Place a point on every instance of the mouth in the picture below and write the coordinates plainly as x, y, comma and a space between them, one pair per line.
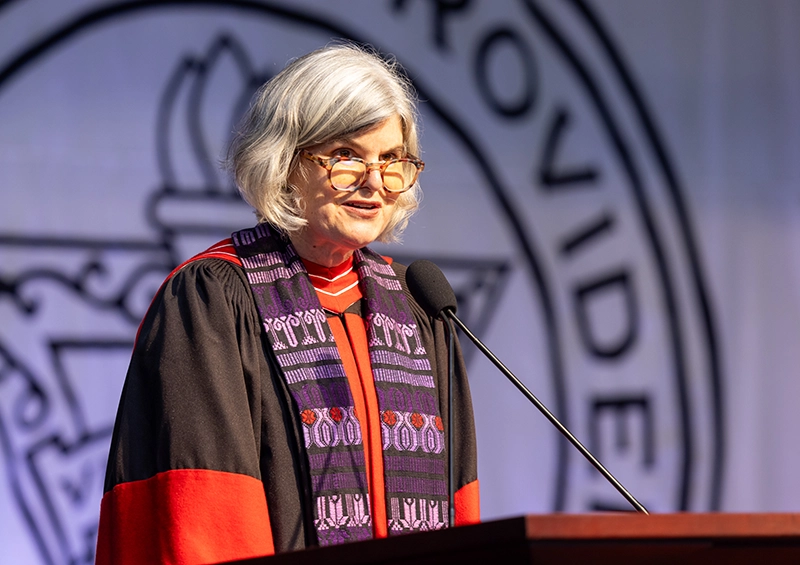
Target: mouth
362, 205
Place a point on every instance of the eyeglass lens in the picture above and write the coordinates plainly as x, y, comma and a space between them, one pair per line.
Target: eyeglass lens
397, 177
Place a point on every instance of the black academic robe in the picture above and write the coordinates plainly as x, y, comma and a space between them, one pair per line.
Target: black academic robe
207, 460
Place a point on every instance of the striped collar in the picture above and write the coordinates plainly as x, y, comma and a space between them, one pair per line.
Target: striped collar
337, 287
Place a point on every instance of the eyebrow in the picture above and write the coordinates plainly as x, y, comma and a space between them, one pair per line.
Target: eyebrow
347, 140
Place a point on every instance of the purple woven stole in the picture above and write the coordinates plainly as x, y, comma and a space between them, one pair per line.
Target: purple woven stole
412, 431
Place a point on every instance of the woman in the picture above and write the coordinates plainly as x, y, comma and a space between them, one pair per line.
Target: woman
285, 390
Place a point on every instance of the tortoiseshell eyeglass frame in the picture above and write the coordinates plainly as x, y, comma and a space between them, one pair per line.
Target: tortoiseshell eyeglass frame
328, 162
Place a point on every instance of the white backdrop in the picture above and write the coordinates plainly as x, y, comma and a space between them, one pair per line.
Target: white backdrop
611, 187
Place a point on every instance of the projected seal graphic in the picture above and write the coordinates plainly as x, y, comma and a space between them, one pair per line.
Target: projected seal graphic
551, 204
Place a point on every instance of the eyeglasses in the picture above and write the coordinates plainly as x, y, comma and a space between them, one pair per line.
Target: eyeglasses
349, 173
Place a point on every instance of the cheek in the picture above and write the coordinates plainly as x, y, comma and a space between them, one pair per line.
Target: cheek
316, 200
392, 206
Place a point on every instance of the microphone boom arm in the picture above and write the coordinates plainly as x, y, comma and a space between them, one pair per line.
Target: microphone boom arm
450, 314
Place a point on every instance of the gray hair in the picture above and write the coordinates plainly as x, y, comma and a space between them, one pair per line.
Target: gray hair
329, 93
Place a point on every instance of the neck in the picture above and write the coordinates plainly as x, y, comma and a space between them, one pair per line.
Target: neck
326, 256
328, 272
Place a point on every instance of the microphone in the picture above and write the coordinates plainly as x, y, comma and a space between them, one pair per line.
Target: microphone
430, 289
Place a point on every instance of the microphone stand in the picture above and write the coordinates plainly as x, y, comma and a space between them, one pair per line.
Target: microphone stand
451, 317
451, 331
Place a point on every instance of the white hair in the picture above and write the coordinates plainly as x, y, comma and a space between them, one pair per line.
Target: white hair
327, 94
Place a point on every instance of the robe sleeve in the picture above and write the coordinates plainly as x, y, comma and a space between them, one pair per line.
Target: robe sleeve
183, 483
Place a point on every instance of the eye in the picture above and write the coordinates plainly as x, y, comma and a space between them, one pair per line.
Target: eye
343, 153
390, 156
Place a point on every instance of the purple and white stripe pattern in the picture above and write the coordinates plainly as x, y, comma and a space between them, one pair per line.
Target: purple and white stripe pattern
416, 514
304, 347
331, 427
342, 518
412, 432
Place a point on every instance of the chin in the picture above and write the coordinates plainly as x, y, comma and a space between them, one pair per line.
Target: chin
362, 238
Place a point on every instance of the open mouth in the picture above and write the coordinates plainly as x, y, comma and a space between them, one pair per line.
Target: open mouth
362, 205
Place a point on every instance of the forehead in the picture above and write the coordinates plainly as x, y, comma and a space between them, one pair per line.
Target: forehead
384, 135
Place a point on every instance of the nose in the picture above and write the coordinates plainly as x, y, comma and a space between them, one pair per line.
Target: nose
374, 180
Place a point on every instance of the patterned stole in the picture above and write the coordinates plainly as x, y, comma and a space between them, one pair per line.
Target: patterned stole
415, 461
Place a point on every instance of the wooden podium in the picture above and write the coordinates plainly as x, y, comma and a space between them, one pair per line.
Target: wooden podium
683, 539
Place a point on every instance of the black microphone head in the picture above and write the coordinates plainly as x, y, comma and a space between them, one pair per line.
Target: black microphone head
430, 288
